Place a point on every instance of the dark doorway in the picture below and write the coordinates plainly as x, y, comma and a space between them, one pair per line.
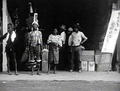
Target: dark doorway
93, 16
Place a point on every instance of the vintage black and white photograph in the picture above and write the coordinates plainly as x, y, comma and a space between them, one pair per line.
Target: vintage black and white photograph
59, 45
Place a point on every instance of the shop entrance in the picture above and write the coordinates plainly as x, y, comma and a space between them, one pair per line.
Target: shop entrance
93, 16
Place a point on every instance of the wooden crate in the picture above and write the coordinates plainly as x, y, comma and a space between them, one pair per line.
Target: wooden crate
84, 65
87, 57
97, 59
104, 62
91, 66
104, 67
88, 52
45, 60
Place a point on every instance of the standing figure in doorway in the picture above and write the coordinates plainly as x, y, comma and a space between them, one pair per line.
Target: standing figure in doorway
62, 33
68, 48
54, 41
76, 39
35, 46
10, 48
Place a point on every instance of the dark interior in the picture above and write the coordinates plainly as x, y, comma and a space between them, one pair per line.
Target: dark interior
93, 16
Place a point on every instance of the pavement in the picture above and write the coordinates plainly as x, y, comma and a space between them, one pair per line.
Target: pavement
62, 76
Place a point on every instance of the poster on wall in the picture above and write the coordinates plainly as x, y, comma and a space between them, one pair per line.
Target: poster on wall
112, 33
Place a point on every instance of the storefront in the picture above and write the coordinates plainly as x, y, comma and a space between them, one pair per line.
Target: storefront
93, 16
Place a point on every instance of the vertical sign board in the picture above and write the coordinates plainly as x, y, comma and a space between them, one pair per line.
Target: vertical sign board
112, 33
110, 40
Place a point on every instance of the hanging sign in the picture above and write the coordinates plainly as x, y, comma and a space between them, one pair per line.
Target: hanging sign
112, 33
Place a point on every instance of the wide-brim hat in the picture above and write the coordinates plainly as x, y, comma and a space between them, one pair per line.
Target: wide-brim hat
35, 23
61, 27
70, 29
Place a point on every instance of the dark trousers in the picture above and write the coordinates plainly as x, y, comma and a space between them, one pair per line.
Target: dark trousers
35, 53
62, 57
75, 58
11, 56
68, 56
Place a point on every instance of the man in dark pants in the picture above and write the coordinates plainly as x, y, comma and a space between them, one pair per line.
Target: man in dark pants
76, 39
10, 47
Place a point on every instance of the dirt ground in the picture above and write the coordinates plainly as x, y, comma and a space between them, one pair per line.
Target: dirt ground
59, 86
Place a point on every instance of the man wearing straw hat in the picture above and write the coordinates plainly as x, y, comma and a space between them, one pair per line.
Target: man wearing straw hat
76, 39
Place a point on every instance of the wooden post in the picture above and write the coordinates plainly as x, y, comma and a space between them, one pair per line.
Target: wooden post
5, 22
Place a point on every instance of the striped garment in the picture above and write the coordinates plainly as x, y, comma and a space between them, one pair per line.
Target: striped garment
35, 38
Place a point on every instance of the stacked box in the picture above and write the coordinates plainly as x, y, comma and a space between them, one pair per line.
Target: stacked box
105, 62
45, 60
87, 60
88, 52
88, 65
104, 67
91, 66
87, 56
97, 59
84, 65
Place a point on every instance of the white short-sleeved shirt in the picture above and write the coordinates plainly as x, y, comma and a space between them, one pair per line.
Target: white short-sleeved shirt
55, 39
63, 37
76, 38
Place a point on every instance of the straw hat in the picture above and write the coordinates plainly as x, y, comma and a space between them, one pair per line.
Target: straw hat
70, 29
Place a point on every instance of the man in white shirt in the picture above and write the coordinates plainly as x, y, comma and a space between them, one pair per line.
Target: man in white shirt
75, 40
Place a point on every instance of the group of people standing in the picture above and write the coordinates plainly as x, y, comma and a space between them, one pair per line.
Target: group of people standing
61, 41
65, 44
